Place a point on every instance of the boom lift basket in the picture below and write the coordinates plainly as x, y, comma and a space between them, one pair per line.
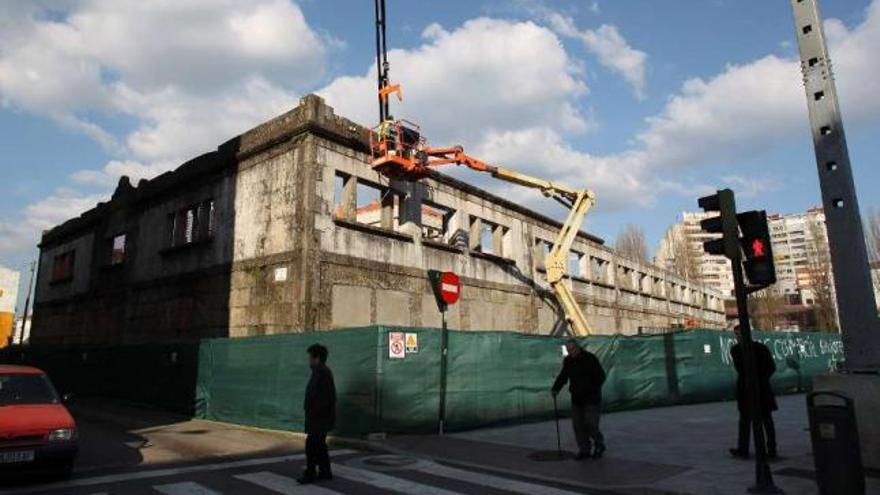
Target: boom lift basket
398, 150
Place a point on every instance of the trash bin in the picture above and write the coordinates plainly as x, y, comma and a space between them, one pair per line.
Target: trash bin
836, 450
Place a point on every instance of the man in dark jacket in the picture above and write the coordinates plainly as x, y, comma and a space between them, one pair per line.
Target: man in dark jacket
320, 408
582, 370
767, 401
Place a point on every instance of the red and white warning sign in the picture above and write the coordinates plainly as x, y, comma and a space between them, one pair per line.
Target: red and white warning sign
450, 287
396, 345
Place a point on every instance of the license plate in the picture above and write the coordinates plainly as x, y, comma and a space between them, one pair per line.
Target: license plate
13, 457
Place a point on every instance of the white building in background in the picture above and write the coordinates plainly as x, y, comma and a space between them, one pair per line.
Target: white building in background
792, 237
711, 270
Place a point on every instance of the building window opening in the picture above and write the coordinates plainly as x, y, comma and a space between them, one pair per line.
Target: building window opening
62, 267
435, 221
807, 29
574, 264
117, 250
490, 237
192, 224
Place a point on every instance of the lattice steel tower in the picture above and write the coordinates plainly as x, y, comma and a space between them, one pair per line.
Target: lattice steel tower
856, 307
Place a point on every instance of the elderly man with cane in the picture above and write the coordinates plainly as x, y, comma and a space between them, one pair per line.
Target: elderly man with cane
585, 376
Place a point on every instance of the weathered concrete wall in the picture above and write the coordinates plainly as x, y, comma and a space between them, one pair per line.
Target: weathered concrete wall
298, 245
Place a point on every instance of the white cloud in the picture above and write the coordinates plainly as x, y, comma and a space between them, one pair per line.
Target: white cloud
21, 234
187, 75
178, 68
462, 84
609, 46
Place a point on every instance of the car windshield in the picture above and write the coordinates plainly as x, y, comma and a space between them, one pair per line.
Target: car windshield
26, 389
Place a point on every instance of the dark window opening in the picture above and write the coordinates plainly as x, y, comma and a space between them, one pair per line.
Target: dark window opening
813, 61
838, 203
825, 130
192, 224
831, 166
117, 249
435, 221
807, 29
62, 267
819, 95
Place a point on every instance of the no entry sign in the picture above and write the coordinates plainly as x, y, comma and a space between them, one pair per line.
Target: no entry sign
450, 287
446, 286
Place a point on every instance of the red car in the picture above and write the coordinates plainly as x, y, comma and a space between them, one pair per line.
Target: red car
36, 430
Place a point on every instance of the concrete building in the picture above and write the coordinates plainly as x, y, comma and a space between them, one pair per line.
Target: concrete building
685, 240
8, 296
276, 231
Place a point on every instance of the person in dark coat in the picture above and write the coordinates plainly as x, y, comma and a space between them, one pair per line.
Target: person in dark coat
766, 366
585, 376
320, 409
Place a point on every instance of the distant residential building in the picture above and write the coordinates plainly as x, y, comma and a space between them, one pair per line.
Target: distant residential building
793, 237
8, 295
685, 240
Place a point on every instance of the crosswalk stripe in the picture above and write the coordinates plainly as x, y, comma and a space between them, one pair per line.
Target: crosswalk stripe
185, 488
283, 484
157, 473
386, 482
489, 480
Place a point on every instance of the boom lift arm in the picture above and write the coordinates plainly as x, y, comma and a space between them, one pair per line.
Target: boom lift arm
401, 152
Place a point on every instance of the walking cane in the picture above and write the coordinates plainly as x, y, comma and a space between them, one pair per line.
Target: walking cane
558, 438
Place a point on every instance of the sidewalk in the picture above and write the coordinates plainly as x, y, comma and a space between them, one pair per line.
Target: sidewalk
117, 436
680, 449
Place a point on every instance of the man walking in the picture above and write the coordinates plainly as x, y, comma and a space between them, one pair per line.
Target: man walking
767, 401
582, 370
320, 408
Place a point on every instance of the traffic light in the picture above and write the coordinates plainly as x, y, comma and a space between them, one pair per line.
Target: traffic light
725, 223
757, 247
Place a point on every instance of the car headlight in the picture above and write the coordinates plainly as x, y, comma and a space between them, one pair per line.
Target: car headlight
62, 435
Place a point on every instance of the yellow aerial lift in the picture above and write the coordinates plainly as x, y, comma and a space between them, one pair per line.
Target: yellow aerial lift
400, 152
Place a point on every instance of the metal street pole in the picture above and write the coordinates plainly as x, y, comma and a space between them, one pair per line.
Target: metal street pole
856, 308
27, 303
444, 350
763, 477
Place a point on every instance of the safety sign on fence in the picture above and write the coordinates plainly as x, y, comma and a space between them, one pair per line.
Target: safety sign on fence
396, 346
412, 343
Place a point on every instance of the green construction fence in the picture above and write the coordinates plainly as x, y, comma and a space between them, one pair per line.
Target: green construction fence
492, 378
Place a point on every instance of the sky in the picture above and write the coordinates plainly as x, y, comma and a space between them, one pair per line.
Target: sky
650, 104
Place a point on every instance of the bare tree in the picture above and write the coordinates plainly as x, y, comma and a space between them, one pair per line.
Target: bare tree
872, 234
872, 238
685, 259
631, 243
767, 308
818, 277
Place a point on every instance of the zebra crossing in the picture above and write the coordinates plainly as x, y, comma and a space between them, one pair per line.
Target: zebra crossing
354, 474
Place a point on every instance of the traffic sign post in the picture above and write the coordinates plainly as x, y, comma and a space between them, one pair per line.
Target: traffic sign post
447, 290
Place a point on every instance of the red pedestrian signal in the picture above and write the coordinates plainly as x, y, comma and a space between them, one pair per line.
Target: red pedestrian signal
758, 249
758, 262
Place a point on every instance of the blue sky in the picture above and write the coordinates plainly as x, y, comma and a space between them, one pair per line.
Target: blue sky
650, 103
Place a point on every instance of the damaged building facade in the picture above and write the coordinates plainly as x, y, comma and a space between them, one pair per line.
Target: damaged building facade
285, 228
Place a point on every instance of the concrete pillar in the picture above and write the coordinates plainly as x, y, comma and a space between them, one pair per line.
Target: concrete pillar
474, 232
